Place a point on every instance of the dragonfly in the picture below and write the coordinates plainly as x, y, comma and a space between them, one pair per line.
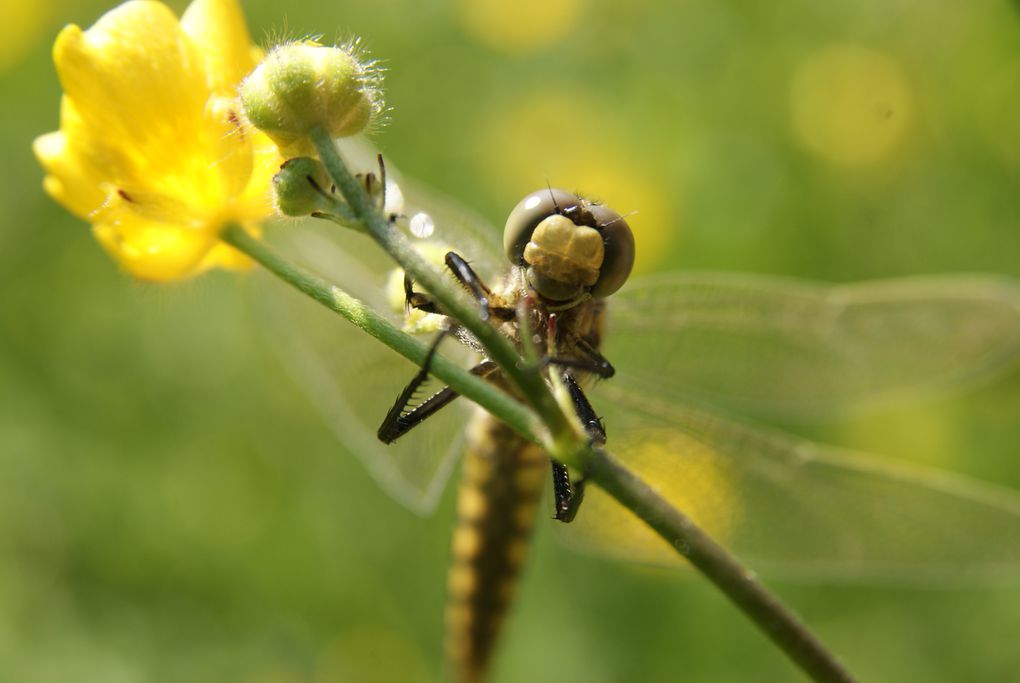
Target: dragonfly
690, 366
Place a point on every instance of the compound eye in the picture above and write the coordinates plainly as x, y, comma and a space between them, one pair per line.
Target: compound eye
619, 251
526, 216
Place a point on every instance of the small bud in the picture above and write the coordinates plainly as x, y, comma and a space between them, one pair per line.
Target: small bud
301, 86
301, 187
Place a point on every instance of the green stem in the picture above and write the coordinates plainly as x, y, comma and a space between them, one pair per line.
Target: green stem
463, 382
531, 385
738, 583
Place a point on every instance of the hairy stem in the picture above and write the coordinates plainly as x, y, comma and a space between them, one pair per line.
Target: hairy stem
332, 297
737, 582
530, 384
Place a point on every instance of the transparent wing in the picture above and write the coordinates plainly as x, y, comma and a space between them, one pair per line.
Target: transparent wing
780, 348
793, 509
350, 378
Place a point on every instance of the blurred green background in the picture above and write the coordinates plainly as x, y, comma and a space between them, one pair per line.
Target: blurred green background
172, 510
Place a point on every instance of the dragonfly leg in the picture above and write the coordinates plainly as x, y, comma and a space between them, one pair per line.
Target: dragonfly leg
467, 276
596, 363
569, 495
407, 413
591, 359
589, 418
469, 279
417, 300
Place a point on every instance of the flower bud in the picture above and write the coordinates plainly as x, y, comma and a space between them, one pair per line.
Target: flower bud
300, 187
302, 86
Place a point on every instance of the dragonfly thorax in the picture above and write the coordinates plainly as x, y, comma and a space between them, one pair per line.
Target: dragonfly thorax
574, 324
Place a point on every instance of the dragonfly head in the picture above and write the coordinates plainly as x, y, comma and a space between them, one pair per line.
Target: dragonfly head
569, 246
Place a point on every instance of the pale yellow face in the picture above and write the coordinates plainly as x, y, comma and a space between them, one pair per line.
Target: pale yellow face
566, 256
571, 248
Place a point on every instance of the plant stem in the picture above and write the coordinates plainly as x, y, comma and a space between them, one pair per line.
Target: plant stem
739, 584
463, 382
565, 441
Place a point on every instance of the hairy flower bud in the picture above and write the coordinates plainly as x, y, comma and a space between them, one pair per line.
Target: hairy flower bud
301, 187
302, 86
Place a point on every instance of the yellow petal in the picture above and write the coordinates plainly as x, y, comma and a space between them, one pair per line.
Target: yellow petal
156, 252
230, 142
134, 76
257, 199
151, 149
81, 164
128, 202
69, 179
219, 33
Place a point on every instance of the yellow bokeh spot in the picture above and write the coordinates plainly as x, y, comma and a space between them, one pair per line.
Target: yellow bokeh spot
687, 473
926, 434
21, 24
851, 105
519, 27
562, 137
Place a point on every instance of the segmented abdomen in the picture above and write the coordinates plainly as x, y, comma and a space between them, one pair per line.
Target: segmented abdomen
496, 506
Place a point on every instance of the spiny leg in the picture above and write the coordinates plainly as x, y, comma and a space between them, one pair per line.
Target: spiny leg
600, 366
417, 300
397, 422
468, 279
584, 410
401, 418
564, 493
595, 363
569, 495
592, 362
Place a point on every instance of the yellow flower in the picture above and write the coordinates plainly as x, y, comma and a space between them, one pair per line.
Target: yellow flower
151, 148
